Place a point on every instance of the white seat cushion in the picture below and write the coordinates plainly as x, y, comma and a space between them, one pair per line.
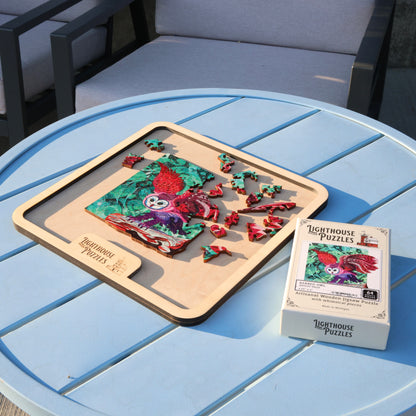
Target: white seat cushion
331, 26
37, 59
173, 62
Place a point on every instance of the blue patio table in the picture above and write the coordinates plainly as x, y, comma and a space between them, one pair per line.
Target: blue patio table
72, 345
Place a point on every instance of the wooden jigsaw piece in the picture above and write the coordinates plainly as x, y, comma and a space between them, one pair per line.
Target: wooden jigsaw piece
253, 198
231, 219
237, 182
154, 144
255, 232
270, 190
211, 252
217, 192
271, 207
226, 162
130, 160
218, 231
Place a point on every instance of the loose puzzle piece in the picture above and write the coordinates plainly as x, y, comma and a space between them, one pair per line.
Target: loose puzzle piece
231, 219
273, 224
218, 231
154, 144
270, 190
253, 198
271, 207
211, 252
255, 232
238, 185
226, 162
131, 160
217, 192
237, 182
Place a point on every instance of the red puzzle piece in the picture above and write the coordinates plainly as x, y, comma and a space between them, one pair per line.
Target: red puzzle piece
231, 219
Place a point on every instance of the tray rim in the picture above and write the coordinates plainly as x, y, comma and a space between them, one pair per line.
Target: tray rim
155, 302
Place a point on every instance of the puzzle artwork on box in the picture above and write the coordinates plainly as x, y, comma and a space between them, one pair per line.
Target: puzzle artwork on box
333, 269
156, 204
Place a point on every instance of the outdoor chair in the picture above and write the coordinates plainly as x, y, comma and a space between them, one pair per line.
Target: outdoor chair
334, 51
27, 76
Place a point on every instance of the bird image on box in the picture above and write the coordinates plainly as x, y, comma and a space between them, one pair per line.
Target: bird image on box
347, 267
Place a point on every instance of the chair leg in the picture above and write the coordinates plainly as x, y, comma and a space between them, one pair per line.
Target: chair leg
138, 15
13, 88
16, 127
16, 117
64, 76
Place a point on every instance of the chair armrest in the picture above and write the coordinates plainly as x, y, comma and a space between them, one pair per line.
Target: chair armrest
95, 16
36, 15
369, 68
61, 41
11, 59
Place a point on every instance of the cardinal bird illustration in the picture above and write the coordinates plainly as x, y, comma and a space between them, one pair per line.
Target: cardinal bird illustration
347, 266
170, 209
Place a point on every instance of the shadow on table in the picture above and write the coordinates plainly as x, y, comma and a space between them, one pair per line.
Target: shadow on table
342, 206
250, 310
401, 345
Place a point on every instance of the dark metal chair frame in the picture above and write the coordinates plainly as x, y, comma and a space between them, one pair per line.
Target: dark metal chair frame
369, 69
367, 75
21, 113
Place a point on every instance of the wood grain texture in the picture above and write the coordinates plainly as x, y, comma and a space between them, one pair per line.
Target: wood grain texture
8, 408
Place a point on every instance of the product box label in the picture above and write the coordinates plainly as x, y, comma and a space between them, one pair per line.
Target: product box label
338, 277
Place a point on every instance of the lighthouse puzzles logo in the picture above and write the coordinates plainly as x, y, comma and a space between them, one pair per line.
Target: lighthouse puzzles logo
334, 328
341, 235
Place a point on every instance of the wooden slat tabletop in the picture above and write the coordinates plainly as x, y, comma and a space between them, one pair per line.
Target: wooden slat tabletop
70, 344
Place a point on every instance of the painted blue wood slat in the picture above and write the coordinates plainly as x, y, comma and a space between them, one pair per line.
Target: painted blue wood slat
248, 119
344, 380
52, 149
403, 252
313, 142
34, 398
195, 366
26, 294
15, 241
84, 335
385, 167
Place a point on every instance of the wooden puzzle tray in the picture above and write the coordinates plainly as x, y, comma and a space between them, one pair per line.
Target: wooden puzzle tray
149, 216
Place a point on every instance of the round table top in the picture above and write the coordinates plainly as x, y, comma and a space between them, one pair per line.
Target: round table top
71, 344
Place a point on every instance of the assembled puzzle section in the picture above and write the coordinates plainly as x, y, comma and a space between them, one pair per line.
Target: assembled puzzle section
338, 286
155, 206
199, 216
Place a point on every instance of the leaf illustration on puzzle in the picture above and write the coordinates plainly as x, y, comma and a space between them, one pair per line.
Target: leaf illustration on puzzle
156, 204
